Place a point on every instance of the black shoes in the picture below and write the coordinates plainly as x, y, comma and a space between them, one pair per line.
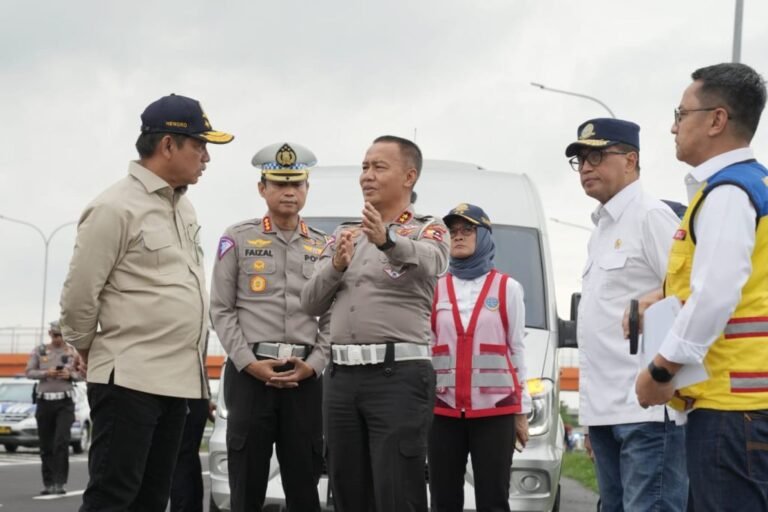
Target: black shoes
48, 489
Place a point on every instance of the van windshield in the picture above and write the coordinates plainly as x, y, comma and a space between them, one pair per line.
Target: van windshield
518, 253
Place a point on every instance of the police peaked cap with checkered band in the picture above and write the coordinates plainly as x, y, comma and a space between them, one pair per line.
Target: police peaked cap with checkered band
182, 115
471, 213
284, 161
605, 132
55, 327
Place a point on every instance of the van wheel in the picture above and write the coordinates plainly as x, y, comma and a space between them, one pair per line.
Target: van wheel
556, 506
11, 448
84, 443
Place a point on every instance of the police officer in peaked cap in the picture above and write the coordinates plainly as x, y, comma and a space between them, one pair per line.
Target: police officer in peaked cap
277, 352
55, 366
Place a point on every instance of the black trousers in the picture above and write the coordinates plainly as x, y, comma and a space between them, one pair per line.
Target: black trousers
377, 422
261, 416
187, 484
54, 422
136, 439
491, 442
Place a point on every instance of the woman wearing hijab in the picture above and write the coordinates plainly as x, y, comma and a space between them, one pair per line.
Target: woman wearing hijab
478, 321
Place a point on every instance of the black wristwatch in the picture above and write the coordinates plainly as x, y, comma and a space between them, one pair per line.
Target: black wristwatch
659, 373
389, 242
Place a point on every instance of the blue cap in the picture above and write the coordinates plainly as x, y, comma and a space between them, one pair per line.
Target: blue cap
471, 213
182, 115
604, 132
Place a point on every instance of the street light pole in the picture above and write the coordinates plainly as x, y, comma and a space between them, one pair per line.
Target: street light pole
570, 224
46, 242
737, 22
578, 95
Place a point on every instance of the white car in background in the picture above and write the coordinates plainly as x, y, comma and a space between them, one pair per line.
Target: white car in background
18, 426
522, 251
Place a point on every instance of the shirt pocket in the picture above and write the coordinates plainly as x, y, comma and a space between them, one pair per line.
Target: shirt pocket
614, 283
161, 253
308, 268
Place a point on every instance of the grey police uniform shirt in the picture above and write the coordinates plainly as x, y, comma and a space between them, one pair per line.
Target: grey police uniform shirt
258, 275
39, 364
383, 296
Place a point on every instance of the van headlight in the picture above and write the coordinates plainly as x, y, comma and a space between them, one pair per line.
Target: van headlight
541, 391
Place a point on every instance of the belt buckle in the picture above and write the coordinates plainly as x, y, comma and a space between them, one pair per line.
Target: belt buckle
284, 350
355, 354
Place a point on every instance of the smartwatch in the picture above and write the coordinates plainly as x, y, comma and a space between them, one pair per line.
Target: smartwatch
390, 241
659, 373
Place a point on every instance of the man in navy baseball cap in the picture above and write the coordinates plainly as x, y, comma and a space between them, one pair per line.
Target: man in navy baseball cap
182, 115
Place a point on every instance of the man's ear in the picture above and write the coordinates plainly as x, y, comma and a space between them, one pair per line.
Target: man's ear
262, 188
719, 122
410, 177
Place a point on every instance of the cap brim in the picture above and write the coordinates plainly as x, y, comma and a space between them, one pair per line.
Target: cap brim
285, 175
215, 137
574, 147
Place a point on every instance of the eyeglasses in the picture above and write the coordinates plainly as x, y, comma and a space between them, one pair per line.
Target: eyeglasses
464, 230
594, 157
56, 335
682, 112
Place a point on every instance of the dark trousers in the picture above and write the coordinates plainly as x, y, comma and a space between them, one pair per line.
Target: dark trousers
491, 442
261, 416
187, 484
377, 422
727, 454
136, 438
54, 422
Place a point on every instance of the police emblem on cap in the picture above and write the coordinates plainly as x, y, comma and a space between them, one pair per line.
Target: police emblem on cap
587, 132
285, 156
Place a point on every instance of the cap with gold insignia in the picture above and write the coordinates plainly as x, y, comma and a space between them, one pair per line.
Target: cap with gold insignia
179, 114
471, 213
604, 132
284, 161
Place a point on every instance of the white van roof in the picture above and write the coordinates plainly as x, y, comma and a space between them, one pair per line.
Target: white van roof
508, 198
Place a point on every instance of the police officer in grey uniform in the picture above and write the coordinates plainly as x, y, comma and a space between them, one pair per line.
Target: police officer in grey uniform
54, 365
277, 352
377, 278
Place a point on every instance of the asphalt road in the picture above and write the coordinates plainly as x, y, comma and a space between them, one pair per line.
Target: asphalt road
20, 484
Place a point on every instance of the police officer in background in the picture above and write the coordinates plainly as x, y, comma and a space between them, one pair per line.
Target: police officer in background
277, 352
377, 277
54, 366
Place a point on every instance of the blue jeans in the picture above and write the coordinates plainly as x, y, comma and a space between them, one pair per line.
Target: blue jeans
728, 460
640, 466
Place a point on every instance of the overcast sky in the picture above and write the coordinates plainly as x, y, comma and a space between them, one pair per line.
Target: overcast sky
333, 75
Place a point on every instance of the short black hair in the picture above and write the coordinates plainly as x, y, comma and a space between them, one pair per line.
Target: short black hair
740, 88
408, 149
147, 143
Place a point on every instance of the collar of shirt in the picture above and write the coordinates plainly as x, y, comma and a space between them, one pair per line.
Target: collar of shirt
151, 181
467, 292
704, 171
618, 203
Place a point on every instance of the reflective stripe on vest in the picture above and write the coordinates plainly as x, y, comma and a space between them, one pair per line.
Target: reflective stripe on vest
747, 327
479, 362
749, 382
479, 380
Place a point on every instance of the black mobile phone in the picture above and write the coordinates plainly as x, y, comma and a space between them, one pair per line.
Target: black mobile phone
634, 325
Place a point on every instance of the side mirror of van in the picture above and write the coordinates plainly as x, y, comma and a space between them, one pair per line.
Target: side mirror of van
566, 329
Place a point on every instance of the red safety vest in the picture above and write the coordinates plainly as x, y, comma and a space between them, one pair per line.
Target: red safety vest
475, 374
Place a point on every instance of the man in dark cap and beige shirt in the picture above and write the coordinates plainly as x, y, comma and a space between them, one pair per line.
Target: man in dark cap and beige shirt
135, 306
377, 278
277, 352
